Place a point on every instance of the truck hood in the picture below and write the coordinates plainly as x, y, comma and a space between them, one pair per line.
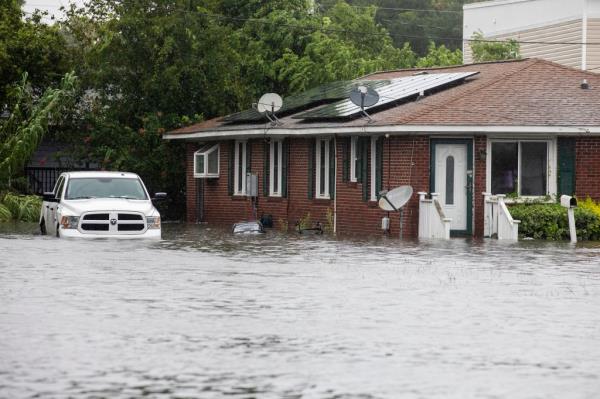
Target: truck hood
77, 207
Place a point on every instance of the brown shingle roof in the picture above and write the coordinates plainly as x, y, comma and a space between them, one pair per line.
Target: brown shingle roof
528, 92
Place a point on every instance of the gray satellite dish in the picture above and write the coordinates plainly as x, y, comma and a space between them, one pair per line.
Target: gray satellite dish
364, 97
395, 199
269, 102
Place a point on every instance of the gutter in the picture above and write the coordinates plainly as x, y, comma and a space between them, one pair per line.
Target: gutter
391, 129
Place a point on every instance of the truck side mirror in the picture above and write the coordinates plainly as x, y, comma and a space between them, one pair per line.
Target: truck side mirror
48, 196
159, 196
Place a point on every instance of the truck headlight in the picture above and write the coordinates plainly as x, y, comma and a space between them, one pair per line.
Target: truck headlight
69, 222
153, 222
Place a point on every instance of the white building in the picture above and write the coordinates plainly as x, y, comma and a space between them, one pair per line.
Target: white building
563, 31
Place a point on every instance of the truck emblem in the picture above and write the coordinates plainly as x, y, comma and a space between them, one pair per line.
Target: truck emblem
113, 221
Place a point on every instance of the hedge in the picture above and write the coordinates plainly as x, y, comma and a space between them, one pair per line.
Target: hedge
549, 222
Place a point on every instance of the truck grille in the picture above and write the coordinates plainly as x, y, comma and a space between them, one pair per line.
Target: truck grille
113, 223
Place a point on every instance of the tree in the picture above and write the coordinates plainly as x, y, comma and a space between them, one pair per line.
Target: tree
28, 45
29, 120
493, 51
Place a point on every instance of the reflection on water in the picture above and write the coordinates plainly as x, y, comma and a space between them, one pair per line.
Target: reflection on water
204, 314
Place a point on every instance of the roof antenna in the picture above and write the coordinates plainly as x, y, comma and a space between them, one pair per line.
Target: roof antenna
364, 97
268, 104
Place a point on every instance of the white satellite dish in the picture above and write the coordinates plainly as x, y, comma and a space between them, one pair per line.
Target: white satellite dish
364, 97
269, 103
395, 199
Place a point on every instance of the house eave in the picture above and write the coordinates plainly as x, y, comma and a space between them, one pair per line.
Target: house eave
496, 130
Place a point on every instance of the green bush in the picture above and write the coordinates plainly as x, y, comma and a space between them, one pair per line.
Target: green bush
549, 222
23, 208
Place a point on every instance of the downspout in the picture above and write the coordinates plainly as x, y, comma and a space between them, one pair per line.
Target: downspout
584, 29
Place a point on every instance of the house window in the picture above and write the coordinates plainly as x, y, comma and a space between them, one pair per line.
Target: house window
206, 161
322, 172
374, 168
276, 170
520, 167
354, 159
240, 168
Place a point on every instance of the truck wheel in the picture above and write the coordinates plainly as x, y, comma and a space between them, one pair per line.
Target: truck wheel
43, 227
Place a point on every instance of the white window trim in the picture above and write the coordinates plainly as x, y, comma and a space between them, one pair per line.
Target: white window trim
318, 195
551, 165
236, 166
353, 158
373, 168
204, 153
272, 177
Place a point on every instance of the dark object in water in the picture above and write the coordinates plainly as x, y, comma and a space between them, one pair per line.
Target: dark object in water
317, 229
254, 227
266, 221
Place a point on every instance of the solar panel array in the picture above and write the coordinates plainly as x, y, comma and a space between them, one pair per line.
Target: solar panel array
322, 94
395, 90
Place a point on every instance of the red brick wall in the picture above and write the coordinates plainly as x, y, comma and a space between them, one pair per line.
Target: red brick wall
587, 167
405, 162
479, 182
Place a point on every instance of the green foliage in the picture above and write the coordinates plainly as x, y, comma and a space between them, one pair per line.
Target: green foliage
494, 51
22, 208
305, 222
28, 45
590, 205
24, 130
440, 56
549, 222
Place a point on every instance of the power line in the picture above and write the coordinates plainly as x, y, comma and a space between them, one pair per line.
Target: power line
325, 29
410, 9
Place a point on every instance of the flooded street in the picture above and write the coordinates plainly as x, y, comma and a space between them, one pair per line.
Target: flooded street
203, 314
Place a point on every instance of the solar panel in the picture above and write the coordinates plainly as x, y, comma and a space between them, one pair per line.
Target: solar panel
318, 95
395, 90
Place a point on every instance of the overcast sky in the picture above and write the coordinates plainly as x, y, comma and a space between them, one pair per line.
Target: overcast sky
52, 6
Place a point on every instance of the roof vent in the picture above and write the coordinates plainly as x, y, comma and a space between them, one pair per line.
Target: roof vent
585, 85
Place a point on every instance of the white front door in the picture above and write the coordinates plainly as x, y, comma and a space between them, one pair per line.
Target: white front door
451, 182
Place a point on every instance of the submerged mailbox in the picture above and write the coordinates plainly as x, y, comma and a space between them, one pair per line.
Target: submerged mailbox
568, 202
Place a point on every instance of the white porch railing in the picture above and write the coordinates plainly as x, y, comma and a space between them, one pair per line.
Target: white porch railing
432, 221
497, 219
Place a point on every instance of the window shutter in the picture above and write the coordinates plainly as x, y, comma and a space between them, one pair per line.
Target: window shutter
378, 166
266, 168
359, 160
231, 171
284, 167
346, 143
332, 144
311, 168
248, 157
364, 165
566, 166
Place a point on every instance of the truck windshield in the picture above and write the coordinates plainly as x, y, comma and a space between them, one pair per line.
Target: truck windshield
105, 187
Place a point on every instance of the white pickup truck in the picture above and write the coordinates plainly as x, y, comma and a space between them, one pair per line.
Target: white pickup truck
100, 204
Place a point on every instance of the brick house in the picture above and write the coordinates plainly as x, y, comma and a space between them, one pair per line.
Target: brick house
530, 128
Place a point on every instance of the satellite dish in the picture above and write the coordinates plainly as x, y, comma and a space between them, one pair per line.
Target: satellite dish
395, 199
269, 102
364, 96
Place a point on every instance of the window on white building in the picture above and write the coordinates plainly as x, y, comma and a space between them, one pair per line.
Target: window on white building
354, 159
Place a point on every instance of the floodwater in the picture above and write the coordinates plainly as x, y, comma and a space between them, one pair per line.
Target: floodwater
203, 314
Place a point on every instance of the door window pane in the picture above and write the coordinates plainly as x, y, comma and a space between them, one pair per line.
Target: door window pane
533, 168
450, 180
504, 167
